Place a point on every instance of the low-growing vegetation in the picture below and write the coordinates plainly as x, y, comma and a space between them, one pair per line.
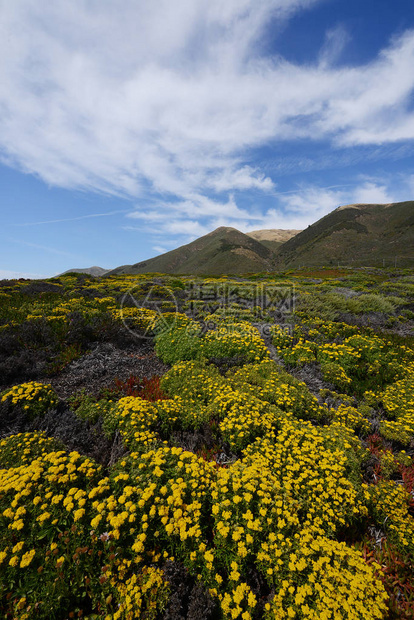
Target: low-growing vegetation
227, 458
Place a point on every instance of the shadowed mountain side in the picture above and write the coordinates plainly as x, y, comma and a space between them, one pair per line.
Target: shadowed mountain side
225, 250
352, 233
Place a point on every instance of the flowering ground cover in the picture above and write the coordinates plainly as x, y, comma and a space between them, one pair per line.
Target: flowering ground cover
258, 467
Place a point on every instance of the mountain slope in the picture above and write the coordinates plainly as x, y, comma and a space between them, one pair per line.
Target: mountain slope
225, 250
92, 271
272, 238
354, 234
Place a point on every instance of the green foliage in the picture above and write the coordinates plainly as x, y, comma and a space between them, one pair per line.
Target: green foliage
274, 527
177, 344
90, 409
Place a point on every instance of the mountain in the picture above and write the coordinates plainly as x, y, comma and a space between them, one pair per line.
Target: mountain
356, 234
225, 250
92, 271
272, 238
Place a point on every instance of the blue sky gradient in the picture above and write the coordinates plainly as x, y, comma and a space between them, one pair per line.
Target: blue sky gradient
129, 128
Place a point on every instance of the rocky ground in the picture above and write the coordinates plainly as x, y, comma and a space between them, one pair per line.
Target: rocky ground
106, 362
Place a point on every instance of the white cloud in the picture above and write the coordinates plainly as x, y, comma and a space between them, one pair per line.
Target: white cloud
159, 249
6, 274
372, 193
292, 210
372, 105
159, 98
242, 178
336, 40
110, 96
164, 101
310, 203
200, 207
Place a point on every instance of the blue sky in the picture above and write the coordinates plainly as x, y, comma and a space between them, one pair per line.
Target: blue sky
128, 128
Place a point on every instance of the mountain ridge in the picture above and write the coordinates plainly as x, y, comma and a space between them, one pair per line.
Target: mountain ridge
223, 250
351, 234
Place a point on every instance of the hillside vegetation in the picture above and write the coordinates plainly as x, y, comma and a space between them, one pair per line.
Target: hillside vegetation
208, 448
225, 250
367, 234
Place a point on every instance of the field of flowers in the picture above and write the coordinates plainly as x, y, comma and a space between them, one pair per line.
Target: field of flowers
266, 473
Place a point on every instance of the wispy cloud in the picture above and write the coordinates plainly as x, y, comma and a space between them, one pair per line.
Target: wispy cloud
294, 209
43, 248
337, 158
74, 219
311, 202
168, 100
159, 249
336, 39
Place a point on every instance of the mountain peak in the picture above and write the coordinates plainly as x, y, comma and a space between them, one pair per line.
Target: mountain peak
225, 250
223, 229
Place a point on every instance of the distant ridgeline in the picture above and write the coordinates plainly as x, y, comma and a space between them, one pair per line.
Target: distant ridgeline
358, 235
225, 250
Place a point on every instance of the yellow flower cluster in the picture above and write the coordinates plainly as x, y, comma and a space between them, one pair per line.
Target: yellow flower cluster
34, 397
233, 340
312, 474
82, 305
390, 463
39, 499
142, 595
176, 320
135, 418
334, 373
270, 383
391, 509
23, 448
182, 413
141, 317
351, 417
160, 494
342, 354
240, 603
67, 532
250, 501
193, 380
317, 578
398, 400
282, 339
243, 417
302, 352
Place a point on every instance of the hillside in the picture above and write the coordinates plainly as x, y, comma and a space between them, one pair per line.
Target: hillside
272, 238
91, 271
358, 234
223, 251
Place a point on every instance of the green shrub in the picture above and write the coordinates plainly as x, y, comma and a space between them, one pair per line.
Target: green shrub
88, 408
182, 343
